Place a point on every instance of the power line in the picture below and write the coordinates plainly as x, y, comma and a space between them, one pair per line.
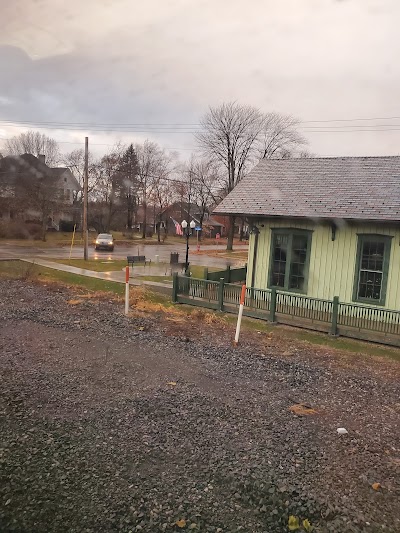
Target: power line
328, 128
349, 119
79, 143
128, 124
172, 125
97, 128
353, 131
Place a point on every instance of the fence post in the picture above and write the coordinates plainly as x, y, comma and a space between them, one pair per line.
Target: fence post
221, 294
175, 287
272, 308
205, 272
335, 313
228, 274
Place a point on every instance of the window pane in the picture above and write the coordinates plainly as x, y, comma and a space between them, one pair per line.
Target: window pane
371, 269
370, 285
298, 262
279, 263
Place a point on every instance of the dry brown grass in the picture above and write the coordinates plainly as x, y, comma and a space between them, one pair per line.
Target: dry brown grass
208, 318
74, 302
302, 410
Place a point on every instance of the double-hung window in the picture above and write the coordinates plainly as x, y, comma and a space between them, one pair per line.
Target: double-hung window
372, 267
290, 257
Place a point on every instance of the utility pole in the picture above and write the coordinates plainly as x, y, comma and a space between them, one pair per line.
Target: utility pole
85, 201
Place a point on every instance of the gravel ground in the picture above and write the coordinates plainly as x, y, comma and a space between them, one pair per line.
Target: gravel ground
131, 424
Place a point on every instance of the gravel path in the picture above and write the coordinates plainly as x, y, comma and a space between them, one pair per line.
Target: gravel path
116, 424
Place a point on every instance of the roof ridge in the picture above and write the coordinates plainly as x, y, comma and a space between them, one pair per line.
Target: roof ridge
334, 157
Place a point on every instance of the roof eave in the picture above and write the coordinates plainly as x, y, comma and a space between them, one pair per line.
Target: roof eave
327, 217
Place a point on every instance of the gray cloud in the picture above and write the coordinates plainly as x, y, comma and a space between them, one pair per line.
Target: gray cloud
117, 61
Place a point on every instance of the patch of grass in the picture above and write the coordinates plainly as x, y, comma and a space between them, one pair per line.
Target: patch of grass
54, 238
251, 324
318, 339
345, 344
104, 265
159, 279
196, 271
97, 265
29, 271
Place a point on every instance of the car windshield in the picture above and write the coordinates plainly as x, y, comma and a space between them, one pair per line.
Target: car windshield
104, 236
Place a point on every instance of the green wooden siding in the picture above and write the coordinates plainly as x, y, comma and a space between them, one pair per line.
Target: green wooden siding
332, 263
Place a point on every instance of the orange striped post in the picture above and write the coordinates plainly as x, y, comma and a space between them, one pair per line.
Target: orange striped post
239, 320
126, 290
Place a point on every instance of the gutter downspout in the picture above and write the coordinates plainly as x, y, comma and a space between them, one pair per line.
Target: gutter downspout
254, 231
253, 266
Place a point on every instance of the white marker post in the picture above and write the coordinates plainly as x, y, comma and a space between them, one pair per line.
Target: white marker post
127, 290
239, 321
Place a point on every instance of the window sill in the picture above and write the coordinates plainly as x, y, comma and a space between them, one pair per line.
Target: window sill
369, 301
288, 291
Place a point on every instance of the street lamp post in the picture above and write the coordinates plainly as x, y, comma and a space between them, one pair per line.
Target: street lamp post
188, 232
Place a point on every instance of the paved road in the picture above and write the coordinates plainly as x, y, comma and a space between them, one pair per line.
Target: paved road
11, 251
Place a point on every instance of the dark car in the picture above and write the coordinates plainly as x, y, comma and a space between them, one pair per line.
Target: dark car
104, 241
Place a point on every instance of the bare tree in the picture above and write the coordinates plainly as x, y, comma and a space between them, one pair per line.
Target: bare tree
279, 138
162, 196
205, 186
229, 136
106, 194
75, 161
237, 136
305, 154
35, 143
153, 165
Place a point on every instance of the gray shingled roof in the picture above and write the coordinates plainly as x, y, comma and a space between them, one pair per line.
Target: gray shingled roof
365, 188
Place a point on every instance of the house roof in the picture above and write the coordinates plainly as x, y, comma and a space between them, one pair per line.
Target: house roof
59, 171
193, 211
26, 163
29, 165
364, 188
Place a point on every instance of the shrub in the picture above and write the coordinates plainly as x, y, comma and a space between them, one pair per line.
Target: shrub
34, 231
20, 230
66, 225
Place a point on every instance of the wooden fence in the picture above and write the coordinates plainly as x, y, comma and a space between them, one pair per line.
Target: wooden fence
332, 316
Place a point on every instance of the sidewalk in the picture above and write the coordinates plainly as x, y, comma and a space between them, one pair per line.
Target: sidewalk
117, 277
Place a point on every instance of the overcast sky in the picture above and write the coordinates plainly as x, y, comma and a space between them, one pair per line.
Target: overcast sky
166, 61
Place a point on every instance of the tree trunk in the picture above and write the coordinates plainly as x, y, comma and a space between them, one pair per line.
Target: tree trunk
129, 216
159, 231
200, 233
44, 225
144, 220
231, 233
241, 231
109, 216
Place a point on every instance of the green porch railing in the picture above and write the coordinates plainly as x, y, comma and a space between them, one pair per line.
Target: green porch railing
230, 275
369, 318
304, 307
351, 320
257, 301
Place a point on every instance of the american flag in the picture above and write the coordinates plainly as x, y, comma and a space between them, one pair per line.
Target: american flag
178, 227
